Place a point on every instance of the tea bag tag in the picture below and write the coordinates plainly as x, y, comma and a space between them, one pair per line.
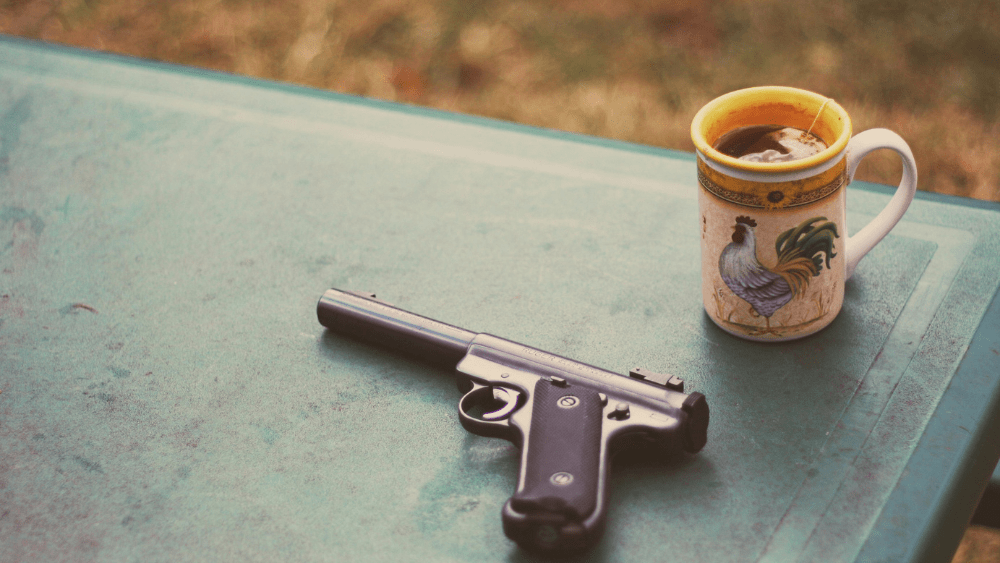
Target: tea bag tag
815, 119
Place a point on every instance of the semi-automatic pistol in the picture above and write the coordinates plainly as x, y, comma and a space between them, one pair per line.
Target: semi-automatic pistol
568, 418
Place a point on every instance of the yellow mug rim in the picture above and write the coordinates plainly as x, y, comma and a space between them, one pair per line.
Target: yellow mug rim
746, 97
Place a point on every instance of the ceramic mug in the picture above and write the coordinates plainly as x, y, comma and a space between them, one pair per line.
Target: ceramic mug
774, 247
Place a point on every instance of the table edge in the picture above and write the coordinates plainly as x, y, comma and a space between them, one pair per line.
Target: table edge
457, 117
946, 447
299, 89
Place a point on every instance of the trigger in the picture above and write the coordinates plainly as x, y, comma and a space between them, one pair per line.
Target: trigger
506, 396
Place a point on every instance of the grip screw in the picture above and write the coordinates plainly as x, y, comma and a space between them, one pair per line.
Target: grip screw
568, 402
562, 478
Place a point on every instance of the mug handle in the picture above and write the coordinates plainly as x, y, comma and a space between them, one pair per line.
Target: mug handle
859, 147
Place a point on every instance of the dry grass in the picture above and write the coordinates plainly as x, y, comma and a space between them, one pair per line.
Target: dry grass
635, 70
630, 69
980, 545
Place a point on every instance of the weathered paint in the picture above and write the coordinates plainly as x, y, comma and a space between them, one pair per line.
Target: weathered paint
167, 393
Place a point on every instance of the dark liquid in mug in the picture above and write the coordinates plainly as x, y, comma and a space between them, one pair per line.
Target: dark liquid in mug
769, 143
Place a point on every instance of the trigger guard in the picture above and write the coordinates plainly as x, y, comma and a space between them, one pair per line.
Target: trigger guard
488, 428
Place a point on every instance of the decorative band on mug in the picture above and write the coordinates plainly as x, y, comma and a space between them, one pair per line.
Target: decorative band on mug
775, 199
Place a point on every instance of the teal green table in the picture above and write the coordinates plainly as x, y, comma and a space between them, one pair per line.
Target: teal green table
166, 393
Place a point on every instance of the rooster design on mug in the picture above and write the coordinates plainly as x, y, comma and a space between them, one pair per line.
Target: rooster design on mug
801, 252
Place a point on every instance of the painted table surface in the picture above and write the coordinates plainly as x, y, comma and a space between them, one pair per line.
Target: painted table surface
166, 393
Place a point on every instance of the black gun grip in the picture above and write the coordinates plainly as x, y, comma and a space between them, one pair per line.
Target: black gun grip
561, 469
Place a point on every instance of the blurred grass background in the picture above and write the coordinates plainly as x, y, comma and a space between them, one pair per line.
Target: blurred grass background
635, 70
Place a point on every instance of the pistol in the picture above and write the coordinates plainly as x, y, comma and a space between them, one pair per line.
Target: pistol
568, 418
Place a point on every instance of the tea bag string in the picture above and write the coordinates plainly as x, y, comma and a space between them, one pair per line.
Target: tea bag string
815, 119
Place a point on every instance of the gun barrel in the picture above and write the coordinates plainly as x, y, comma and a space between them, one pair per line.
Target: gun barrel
375, 322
